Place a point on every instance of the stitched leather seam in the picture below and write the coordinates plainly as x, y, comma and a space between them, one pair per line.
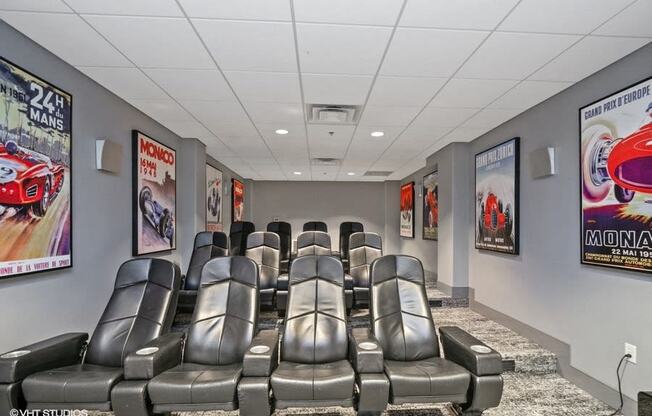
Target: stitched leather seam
192, 383
131, 327
228, 301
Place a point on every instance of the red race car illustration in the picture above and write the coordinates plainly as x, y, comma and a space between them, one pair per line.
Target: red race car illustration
625, 162
433, 207
493, 217
28, 179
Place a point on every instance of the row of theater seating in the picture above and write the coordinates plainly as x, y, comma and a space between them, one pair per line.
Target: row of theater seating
266, 247
134, 366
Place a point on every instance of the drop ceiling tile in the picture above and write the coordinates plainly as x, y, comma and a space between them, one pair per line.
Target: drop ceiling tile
188, 129
403, 91
429, 52
192, 84
249, 46
35, 5
323, 144
240, 9
275, 112
363, 132
443, 117
366, 149
336, 89
468, 14
154, 42
162, 110
276, 87
216, 148
127, 8
127, 83
423, 134
490, 118
514, 55
388, 115
633, 21
582, 59
529, 93
216, 112
471, 93
296, 132
78, 44
336, 49
561, 16
463, 134
361, 12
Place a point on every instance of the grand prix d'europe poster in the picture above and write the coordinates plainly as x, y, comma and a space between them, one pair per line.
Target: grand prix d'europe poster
616, 179
35, 173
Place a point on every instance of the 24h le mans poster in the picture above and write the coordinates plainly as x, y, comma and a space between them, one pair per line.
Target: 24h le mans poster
496, 192
35, 173
616, 179
213, 199
155, 195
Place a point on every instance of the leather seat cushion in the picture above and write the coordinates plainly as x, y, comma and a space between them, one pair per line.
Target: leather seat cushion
328, 381
190, 383
79, 383
435, 376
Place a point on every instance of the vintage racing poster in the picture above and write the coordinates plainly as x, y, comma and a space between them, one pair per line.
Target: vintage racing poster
430, 206
407, 210
213, 199
237, 198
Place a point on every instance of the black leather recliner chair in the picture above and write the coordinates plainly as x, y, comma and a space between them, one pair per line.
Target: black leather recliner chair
315, 226
238, 235
284, 231
364, 248
208, 245
346, 229
314, 369
64, 372
468, 376
264, 248
214, 369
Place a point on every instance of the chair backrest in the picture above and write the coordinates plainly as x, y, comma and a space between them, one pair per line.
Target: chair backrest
208, 245
141, 308
313, 243
263, 247
399, 310
315, 328
315, 226
346, 229
364, 248
226, 315
238, 235
284, 231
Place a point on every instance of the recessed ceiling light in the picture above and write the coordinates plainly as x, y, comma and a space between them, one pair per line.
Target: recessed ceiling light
296, 172
351, 173
377, 134
282, 131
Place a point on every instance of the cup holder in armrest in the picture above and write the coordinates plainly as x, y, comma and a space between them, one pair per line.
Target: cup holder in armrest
259, 349
480, 349
147, 351
368, 346
15, 354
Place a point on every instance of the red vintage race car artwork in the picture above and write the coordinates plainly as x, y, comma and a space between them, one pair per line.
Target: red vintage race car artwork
27, 179
625, 163
494, 217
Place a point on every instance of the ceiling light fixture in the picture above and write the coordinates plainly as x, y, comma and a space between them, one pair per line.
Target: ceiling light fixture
282, 131
296, 172
351, 173
377, 134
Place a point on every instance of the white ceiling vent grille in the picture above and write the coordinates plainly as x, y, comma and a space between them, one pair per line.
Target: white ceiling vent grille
378, 173
325, 161
332, 114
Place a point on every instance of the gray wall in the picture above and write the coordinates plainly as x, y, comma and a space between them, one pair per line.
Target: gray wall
331, 202
594, 310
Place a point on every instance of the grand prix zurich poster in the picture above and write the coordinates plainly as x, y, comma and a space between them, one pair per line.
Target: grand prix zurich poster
155, 195
496, 192
35, 173
616, 179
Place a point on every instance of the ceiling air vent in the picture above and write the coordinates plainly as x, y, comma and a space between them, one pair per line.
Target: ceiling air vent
332, 114
378, 173
325, 161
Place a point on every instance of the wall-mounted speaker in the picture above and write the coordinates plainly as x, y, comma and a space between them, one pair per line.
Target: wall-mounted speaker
542, 163
108, 155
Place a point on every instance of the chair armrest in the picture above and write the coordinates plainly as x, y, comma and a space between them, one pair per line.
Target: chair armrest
59, 351
466, 350
348, 282
364, 357
153, 358
283, 282
261, 357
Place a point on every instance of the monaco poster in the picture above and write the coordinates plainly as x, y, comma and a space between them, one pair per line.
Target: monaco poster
35, 173
496, 195
155, 195
214, 220
616, 179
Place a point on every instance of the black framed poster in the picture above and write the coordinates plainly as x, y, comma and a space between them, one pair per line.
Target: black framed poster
407, 210
430, 206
